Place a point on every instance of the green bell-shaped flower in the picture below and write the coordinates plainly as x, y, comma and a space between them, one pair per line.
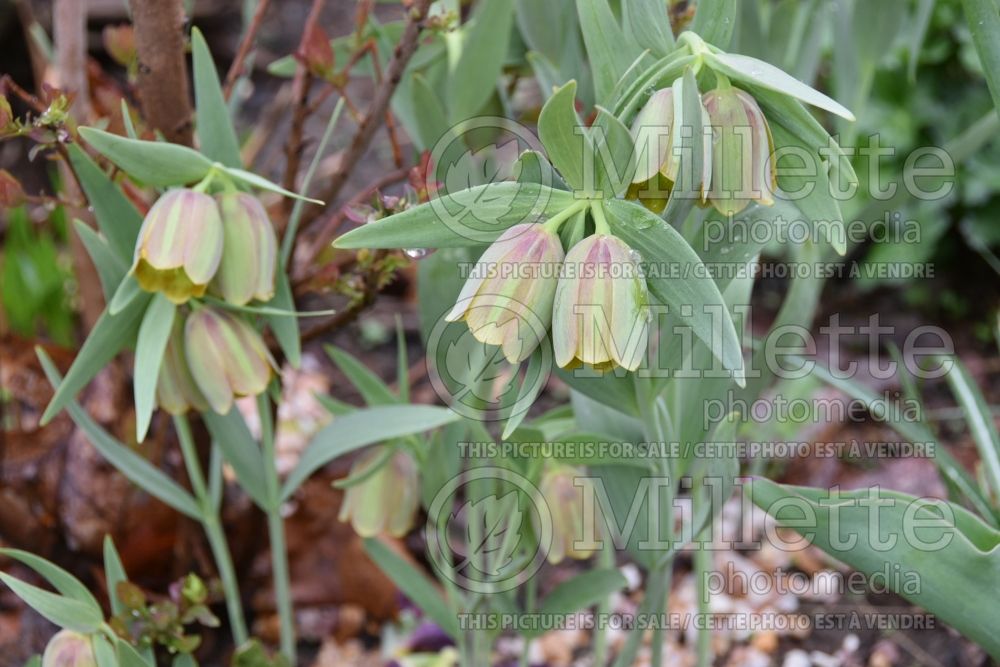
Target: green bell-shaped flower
600, 315
742, 168
176, 391
562, 488
386, 501
226, 356
69, 649
507, 300
179, 245
249, 251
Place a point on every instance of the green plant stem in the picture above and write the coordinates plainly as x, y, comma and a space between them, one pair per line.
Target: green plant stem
702, 566
213, 530
600, 221
606, 560
530, 600
276, 532
556, 221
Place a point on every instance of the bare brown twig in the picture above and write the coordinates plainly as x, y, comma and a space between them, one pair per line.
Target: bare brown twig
369, 124
162, 81
236, 69
301, 85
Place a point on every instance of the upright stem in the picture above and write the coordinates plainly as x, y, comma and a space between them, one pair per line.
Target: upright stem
702, 565
276, 532
213, 530
606, 561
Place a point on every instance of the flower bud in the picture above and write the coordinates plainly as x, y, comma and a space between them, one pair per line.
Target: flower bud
226, 356
6, 114
69, 649
386, 501
600, 315
652, 135
507, 301
176, 391
179, 245
249, 250
742, 169
562, 488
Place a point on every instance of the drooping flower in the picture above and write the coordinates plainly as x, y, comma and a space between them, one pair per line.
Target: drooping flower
658, 136
69, 649
179, 245
176, 391
226, 356
249, 251
507, 300
562, 488
600, 313
386, 501
742, 168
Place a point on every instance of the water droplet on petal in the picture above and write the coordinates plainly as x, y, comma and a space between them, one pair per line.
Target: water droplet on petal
417, 253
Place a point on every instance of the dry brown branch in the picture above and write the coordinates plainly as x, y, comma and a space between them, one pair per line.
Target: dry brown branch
236, 69
162, 81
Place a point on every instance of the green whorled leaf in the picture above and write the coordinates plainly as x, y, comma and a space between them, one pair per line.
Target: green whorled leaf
564, 136
550, 78
533, 167
402, 363
915, 431
111, 268
261, 183
104, 652
658, 75
608, 50
787, 112
984, 24
372, 389
484, 47
216, 135
241, 451
285, 327
111, 333
60, 579
466, 218
127, 292
918, 33
714, 21
154, 163
648, 23
129, 656
362, 428
582, 591
661, 245
979, 418
526, 393
114, 574
429, 117
334, 406
818, 205
690, 184
956, 581
616, 391
614, 158
137, 469
63, 611
421, 590
116, 217
757, 72
149, 349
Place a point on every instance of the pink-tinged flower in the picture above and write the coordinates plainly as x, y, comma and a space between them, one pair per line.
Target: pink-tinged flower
742, 168
249, 250
507, 301
226, 356
179, 245
386, 501
600, 316
176, 391
653, 134
69, 649
562, 487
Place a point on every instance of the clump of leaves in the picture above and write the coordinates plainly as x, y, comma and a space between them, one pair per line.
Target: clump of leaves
162, 623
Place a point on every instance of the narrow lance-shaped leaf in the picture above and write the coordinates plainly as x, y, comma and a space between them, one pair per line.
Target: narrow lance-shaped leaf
137, 469
216, 135
109, 336
116, 217
154, 163
153, 334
